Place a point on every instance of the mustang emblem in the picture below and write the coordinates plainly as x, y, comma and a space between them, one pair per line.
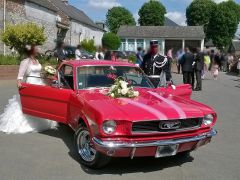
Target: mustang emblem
170, 125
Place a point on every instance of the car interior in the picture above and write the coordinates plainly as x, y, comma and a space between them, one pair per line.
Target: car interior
66, 74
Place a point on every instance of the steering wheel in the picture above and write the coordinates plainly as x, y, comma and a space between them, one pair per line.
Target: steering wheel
133, 82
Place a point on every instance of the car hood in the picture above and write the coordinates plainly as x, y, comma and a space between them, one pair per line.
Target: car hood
149, 105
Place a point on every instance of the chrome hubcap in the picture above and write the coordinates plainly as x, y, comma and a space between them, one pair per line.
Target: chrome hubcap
85, 147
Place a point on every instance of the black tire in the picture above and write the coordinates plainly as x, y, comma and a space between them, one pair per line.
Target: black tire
100, 160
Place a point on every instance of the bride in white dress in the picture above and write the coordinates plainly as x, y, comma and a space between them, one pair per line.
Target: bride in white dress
13, 120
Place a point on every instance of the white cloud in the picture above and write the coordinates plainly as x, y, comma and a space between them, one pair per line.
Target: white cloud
177, 17
103, 4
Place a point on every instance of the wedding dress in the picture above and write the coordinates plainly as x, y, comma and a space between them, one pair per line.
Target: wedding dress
13, 120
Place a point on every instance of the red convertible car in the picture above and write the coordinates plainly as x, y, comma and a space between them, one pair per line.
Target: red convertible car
159, 122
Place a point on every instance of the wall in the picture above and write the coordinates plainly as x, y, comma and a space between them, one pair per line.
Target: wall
78, 32
46, 18
15, 13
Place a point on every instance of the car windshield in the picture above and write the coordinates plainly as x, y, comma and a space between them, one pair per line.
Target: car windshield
103, 76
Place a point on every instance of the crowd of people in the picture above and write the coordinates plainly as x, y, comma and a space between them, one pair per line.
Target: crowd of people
194, 63
197, 64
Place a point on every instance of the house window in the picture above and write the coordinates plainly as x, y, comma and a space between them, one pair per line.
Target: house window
140, 43
131, 45
123, 45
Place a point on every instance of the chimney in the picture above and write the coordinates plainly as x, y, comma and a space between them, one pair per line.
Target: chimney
101, 25
65, 1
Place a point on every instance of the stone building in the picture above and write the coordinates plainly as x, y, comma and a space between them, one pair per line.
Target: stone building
62, 21
174, 36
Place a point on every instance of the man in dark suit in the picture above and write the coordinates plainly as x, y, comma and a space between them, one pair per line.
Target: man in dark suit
187, 66
61, 54
157, 66
198, 67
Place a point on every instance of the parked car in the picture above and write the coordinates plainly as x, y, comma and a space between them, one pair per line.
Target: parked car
71, 53
159, 122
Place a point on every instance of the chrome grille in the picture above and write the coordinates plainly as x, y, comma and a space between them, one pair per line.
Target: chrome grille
157, 126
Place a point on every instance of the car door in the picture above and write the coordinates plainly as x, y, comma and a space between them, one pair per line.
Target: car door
49, 102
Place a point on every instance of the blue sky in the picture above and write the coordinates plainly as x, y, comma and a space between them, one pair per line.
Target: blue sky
96, 9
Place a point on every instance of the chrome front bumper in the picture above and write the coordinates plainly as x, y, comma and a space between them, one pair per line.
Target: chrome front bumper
116, 144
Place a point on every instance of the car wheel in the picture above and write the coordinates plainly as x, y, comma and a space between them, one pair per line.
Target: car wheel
88, 155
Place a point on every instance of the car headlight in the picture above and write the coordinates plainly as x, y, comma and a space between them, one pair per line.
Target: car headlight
208, 119
109, 127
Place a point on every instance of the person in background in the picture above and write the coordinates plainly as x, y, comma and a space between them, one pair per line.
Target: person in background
212, 57
217, 59
139, 56
215, 69
99, 54
170, 57
180, 54
187, 68
230, 62
238, 67
113, 56
206, 64
224, 60
61, 54
198, 67
78, 54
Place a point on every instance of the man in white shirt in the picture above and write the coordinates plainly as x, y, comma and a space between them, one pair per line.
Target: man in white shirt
78, 54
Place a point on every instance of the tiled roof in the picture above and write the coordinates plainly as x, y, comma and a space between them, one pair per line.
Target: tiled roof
71, 11
44, 3
169, 22
74, 13
161, 32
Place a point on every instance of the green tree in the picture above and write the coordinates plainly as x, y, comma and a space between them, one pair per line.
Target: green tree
152, 13
222, 26
88, 45
18, 36
118, 16
199, 12
111, 41
233, 6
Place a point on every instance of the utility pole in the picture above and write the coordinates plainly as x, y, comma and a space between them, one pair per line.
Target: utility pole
4, 24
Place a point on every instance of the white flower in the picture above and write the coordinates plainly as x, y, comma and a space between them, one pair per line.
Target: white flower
123, 84
112, 95
135, 93
119, 91
124, 91
28, 47
113, 87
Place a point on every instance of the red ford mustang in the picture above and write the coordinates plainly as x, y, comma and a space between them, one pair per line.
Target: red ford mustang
159, 122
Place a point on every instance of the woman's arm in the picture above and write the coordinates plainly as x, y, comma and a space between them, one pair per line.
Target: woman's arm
22, 70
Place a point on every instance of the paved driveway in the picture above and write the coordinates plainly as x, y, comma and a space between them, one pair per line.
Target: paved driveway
51, 155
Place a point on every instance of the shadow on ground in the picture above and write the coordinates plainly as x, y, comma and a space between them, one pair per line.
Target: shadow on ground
118, 165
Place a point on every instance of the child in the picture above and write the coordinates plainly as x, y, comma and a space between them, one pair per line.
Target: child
215, 69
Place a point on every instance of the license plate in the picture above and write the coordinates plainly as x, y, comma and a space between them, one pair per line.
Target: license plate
168, 150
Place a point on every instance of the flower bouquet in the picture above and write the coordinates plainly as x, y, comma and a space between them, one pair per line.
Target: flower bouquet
49, 73
121, 88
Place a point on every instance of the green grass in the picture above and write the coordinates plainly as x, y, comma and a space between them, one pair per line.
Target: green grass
9, 60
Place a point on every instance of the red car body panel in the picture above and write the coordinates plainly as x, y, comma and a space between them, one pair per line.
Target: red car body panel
93, 107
